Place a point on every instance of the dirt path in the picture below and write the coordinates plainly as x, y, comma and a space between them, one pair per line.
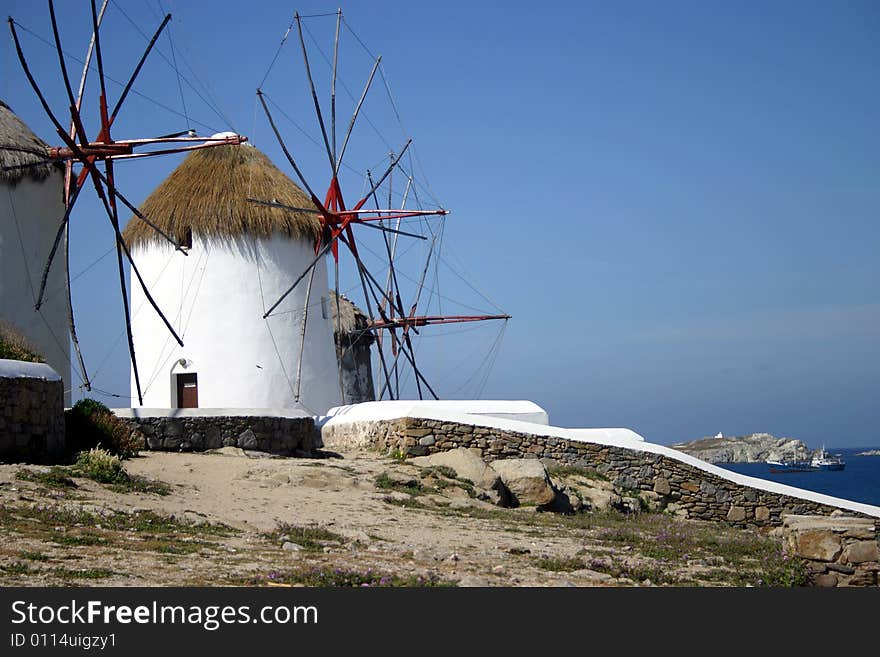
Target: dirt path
220, 525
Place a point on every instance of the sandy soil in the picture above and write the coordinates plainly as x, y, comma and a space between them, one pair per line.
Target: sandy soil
440, 534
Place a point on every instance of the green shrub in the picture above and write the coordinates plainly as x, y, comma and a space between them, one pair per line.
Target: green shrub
14, 346
102, 466
89, 424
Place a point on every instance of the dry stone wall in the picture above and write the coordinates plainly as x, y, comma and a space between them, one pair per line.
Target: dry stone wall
665, 482
31, 420
839, 551
276, 435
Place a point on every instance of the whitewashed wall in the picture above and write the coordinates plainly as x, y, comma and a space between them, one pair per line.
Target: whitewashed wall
30, 212
215, 298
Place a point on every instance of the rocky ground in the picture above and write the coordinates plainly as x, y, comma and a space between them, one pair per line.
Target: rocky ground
243, 518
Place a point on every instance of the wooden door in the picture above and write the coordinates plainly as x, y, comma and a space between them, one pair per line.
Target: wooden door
187, 391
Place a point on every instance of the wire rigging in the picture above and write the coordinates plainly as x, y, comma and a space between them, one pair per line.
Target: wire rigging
117, 82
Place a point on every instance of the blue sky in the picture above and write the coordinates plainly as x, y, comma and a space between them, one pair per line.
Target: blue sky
677, 202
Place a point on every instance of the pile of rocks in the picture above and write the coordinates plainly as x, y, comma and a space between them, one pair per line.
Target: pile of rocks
514, 482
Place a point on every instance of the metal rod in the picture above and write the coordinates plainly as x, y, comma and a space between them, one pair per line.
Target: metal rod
71, 325
68, 168
354, 214
121, 269
99, 59
111, 210
58, 236
65, 77
314, 262
424, 274
385, 229
69, 140
384, 176
134, 368
338, 335
418, 373
287, 154
372, 317
407, 325
131, 206
82, 80
387, 250
427, 320
357, 109
137, 69
333, 85
166, 151
31, 79
302, 339
399, 219
314, 94
362, 271
387, 295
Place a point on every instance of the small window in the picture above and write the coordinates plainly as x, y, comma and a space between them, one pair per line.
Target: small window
187, 241
325, 312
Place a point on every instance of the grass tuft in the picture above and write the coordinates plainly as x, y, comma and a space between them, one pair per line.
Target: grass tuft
311, 538
345, 577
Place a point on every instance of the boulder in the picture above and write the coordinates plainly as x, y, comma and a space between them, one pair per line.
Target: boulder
526, 479
818, 545
229, 451
862, 551
466, 463
247, 440
826, 580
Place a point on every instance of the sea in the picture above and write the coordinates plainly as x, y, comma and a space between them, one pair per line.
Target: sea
859, 481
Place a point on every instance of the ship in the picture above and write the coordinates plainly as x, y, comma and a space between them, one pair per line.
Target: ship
785, 465
822, 460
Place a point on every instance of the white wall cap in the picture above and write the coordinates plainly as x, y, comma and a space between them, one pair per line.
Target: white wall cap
292, 412
612, 437
526, 410
18, 369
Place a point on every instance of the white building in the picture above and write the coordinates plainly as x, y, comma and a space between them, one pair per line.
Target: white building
31, 209
241, 259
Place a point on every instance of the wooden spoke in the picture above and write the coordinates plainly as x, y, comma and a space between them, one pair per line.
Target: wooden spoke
354, 116
287, 154
314, 93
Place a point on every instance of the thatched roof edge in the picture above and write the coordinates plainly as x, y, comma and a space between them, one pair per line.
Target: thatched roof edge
207, 196
20, 146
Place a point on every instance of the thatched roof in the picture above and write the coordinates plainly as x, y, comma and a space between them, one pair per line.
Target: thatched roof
19, 145
351, 319
208, 194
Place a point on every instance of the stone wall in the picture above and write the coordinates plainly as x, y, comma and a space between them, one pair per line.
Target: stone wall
277, 435
839, 551
31, 420
664, 482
